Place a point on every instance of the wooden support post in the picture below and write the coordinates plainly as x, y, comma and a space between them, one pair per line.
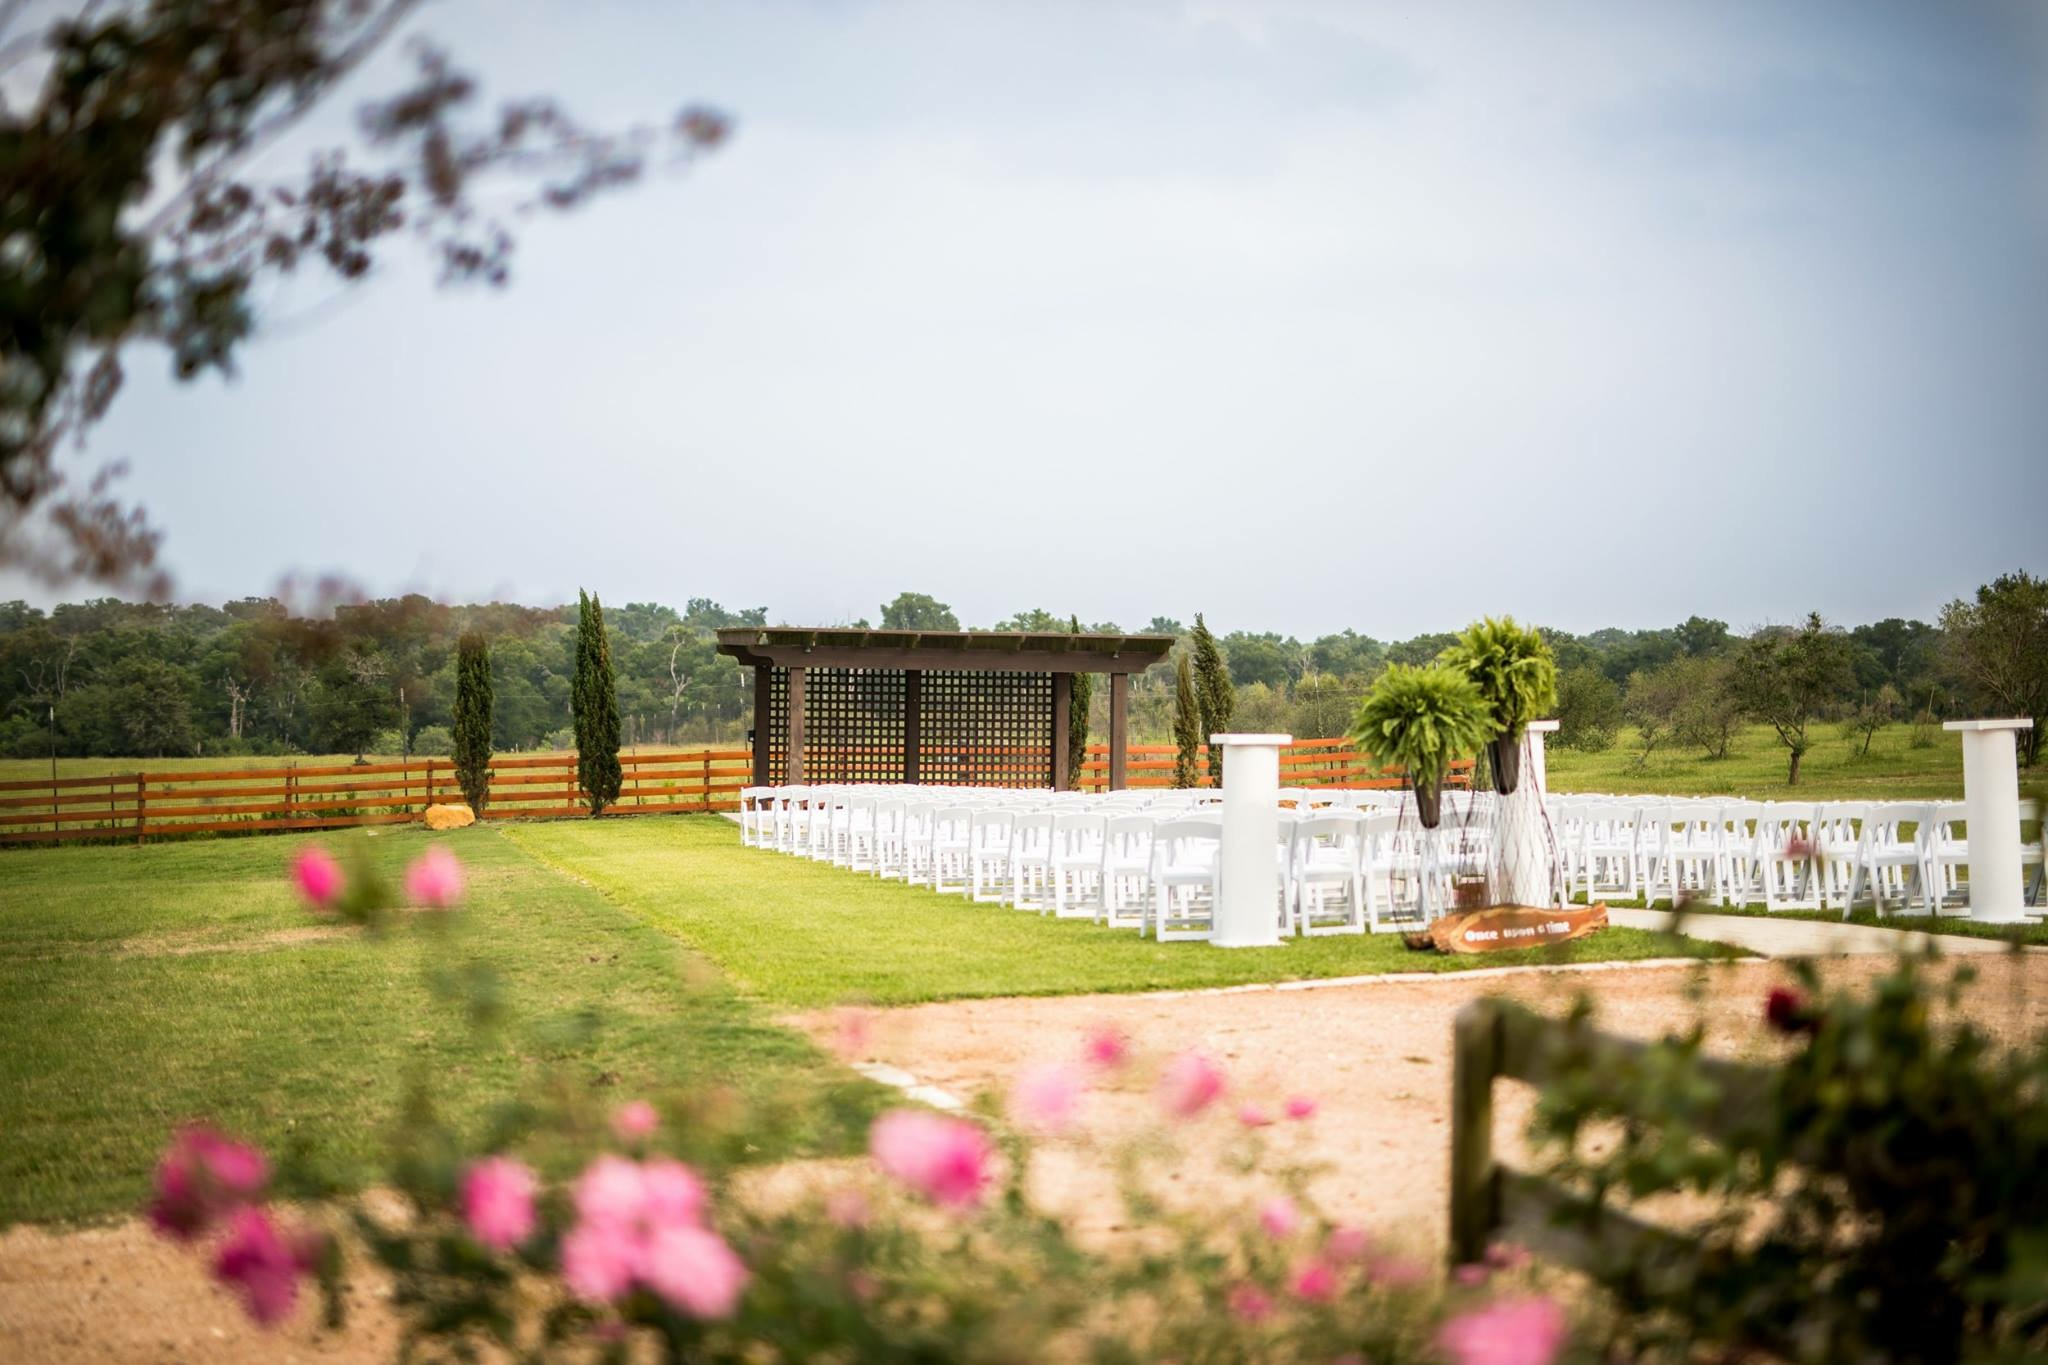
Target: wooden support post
796, 726
707, 781
1119, 738
764, 682
913, 723
141, 805
1062, 706
1475, 1184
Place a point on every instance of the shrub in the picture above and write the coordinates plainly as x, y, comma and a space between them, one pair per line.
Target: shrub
1588, 710
1887, 1202
594, 699
434, 740
1187, 726
474, 701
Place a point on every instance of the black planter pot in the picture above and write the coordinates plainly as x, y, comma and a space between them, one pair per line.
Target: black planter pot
1504, 757
1429, 804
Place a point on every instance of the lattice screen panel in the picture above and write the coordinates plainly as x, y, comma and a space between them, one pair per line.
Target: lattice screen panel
986, 729
777, 721
853, 725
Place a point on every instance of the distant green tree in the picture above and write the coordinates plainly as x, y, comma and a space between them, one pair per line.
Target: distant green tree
918, 611
1785, 678
1213, 691
1998, 651
1187, 726
1420, 651
1588, 710
1165, 625
595, 704
1037, 619
1268, 658
436, 741
474, 700
1700, 636
1077, 716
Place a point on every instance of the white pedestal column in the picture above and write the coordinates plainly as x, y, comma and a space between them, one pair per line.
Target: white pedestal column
1248, 898
1525, 857
1991, 796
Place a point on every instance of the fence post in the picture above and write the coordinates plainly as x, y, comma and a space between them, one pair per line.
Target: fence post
707, 782
141, 805
1475, 1060
430, 787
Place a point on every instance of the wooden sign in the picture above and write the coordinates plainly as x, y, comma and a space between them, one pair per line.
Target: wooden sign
1500, 927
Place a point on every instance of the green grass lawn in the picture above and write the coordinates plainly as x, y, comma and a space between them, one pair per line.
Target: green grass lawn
1755, 767
793, 932
140, 987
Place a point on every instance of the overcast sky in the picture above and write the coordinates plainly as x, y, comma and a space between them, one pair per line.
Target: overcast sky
1303, 315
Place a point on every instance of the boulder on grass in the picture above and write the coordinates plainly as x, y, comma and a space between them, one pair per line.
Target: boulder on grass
450, 817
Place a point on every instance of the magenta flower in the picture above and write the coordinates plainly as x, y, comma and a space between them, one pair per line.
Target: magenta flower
1279, 1217
434, 879
635, 1121
1249, 1303
257, 1263
1788, 1010
694, 1270
1510, 1332
317, 875
1300, 1107
1315, 1281
1107, 1047
599, 1260
1190, 1084
202, 1177
497, 1201
946, 1160
1471, 1276
1046, 1098
672, 1195
1251, 1116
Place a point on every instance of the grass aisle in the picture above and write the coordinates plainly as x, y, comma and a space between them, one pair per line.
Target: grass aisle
143, 987
793, 932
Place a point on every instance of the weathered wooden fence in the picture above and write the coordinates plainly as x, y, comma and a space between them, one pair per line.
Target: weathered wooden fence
156, 805
1304, 763
1495, 1039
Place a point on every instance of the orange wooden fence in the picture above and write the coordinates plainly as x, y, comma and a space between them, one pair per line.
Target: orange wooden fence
1304, 763
156, 805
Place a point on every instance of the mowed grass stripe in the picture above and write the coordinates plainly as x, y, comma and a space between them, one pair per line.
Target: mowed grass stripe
797, 933
140, 988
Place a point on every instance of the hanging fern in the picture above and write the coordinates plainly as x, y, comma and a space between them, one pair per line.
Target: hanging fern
1423, 719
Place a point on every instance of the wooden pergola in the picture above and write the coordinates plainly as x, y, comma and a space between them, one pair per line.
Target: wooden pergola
976, 707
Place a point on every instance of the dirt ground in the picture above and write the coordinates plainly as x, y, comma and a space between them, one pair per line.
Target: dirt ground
1374, 1056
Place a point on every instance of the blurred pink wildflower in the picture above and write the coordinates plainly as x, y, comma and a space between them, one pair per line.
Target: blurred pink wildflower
202, 1177
1301, 1107
1190, 1084
257, 1262
946, 1160
1279, 1217
1107, 1046
1509, 1332
635, 1121
694, 1270
317, 876
1047, 1098
497, 1201
434, 879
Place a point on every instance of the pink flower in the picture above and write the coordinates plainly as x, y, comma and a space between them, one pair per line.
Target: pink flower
1279, 1217
599, 1260
671, 1194
946, 1160
1510, 1332
202, 1177
1788, 1010
1249, 1303
1506, 1256
694, 1270
1471, 1276
497, 1201
317, 875
1315, 1281
848, 1208
1347, 1245
1190, 1084
610, 1190
256, 1261
1107, 1047
1251, 1116
1397, 1272
1047, 1097
1300, 1107
635, 1121
434, 878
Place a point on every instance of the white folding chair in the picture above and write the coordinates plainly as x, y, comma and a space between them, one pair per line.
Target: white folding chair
1185, 858
952, 846
1077, 845
1326, 875
1126, 875
1031, 861
988, 855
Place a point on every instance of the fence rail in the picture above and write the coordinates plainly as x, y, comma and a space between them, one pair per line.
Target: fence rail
167, 804
1304, 763
1496, 1039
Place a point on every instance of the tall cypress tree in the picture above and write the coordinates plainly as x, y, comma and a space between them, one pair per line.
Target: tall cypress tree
1187, 726
1077, 716
595, 700
1217, 698
473, 701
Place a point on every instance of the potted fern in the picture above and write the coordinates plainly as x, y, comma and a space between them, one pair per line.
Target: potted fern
1423, 719
1516, 675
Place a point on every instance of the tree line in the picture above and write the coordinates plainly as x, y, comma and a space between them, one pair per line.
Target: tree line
115, 678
